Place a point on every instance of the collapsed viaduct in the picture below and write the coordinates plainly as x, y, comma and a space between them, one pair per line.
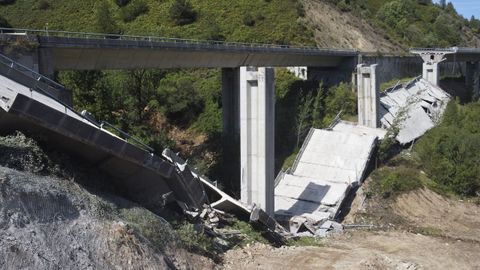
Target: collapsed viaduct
247, 81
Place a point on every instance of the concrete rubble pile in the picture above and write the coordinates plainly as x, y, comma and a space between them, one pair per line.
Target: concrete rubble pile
413, 108
220, 206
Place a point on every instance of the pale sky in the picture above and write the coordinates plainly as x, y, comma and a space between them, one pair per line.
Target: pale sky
466, 7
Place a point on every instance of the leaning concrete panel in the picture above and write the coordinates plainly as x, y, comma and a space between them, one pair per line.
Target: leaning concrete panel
413, 108
144, 176
331, 162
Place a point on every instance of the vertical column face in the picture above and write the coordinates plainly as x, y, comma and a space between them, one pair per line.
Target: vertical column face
257, 105
430, 73
368, 98
231, 129
472, 78
476, 80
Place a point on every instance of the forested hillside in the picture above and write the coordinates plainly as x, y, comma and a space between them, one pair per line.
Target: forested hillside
181, 109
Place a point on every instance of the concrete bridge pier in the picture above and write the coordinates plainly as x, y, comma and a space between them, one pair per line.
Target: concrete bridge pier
368, 96
249, 115
472, 78
431, 72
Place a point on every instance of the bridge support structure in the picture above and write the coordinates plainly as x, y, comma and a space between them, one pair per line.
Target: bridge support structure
368, 96
472, 78
431, 60
249, 116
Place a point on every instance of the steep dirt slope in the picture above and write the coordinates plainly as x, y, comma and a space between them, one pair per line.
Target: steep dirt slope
450, 218
336, 29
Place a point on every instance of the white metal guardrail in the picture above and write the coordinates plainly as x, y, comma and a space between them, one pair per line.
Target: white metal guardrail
30, 73
41, 81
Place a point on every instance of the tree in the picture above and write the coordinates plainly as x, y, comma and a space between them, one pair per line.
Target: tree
443, 3
397, 14
122, 3
6, 2
4, 23
104, 22
304, 117
447, 30
182, 12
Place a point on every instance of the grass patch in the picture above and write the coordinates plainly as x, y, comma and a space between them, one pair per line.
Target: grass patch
429, 231
288, 163
389, 182
195, 241
251, 235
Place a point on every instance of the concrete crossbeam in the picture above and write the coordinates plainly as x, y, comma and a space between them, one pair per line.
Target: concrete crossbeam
368, 96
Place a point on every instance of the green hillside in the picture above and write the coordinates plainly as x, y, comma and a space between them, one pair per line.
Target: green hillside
273, 21
415, 23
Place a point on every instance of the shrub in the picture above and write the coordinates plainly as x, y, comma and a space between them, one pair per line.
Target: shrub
4, 23
449, 153
43, 5
343, 6
389, 182
248, 20
182, 12
134, 10
300, 9
6, 2
104, 22
122, 3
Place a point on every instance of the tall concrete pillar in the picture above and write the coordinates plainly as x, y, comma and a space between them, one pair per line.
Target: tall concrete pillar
431, 72
257, 123
368, 96
231, 129
472, 78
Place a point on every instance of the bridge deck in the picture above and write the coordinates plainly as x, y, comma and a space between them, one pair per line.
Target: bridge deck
82, 51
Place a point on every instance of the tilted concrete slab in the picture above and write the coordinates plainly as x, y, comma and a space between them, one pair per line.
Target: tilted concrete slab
144, 177
330, 163
414, 108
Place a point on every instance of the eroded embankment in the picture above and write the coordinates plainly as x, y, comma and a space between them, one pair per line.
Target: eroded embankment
51, 222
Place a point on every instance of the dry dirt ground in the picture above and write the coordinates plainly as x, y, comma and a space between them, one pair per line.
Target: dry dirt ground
336, 29
418, 230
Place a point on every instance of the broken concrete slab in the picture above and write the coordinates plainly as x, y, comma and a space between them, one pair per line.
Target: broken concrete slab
330, 163
413, 108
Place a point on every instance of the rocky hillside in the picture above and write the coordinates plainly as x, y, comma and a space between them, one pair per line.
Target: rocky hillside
55, 216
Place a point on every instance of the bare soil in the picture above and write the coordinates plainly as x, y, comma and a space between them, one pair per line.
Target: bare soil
363, 250
336, 29
417, 230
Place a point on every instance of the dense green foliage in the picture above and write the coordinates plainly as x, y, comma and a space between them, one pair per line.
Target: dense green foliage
391, 181
133, 10
417, 23
450, 152
275, 20
182, 12
4, 23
